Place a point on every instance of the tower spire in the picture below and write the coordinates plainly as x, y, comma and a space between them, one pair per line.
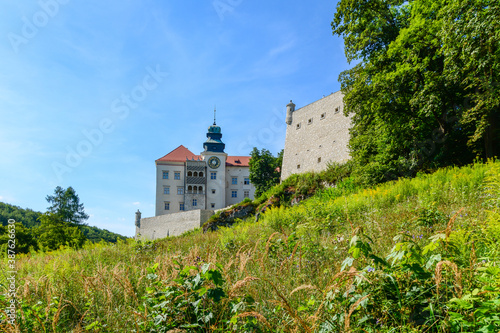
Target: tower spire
215, 112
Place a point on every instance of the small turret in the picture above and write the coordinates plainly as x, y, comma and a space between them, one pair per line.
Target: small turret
138, 219
289, 110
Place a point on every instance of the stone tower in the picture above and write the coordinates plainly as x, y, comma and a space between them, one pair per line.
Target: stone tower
215, 157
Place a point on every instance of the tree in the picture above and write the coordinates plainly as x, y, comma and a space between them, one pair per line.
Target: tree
53, 233
265, 169
24, 238
61, 224
408, 109
66, 206
471, 44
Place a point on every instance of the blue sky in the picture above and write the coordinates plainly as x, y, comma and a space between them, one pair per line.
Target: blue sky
92, 93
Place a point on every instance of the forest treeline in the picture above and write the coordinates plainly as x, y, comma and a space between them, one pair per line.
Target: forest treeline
32, 233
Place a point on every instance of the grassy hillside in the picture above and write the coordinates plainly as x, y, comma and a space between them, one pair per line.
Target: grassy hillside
417, 255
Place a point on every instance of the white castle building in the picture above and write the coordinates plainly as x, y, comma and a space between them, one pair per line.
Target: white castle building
209, 181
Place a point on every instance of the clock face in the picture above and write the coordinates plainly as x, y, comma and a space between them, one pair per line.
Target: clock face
214, 162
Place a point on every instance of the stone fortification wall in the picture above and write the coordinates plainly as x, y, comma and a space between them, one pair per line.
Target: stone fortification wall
171, 224
316, 134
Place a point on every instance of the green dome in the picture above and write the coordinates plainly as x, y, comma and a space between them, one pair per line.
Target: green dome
214, 129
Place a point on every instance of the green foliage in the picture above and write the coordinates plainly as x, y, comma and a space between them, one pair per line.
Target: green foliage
264, 170
29, 229
54, 233
196, 302
95, 235
66, 205
24, 240
424, 93
430, 216
471, 48
27, 217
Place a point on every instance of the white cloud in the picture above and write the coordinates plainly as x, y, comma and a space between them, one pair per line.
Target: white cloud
137, 203
282, 48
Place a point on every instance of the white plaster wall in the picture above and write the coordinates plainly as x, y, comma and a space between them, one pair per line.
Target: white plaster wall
241, 173
173, 197
322, 138
172, 224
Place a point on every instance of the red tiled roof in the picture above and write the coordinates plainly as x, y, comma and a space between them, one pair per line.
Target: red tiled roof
238, 161
179, 154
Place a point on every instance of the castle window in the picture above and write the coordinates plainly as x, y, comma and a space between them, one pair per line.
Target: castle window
166, 205
200, 189
195, 174
337, 110
213, 175
234, 194
298, 166
310, 121
190, 174
319, 159
190, 189
246, 193
165, 174
177, 176
195, 191
298, 125
201, 174
166, 190
234, 181
180, 191
212, 205
213, 191
195, 202
323, 116
247, 181
181, 206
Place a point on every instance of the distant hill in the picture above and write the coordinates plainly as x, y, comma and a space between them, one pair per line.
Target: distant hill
29, 218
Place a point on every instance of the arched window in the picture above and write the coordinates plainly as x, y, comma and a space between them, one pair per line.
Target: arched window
196, 174
190, 188
194, 190
201, 174
200, 188
190, 174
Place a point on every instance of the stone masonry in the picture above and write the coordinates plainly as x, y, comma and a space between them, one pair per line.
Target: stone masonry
170, 224
316, 134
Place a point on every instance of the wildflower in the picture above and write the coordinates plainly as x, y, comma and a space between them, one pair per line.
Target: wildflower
370, 269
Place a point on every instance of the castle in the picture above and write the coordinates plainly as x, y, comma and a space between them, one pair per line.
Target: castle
211, 180
189, 187
316, 135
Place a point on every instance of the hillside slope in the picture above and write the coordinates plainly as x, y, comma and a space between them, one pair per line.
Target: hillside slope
408, 256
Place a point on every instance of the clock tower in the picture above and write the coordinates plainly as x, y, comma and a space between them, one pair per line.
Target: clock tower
215, 157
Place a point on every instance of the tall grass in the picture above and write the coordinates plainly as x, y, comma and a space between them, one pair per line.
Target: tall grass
413, 255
